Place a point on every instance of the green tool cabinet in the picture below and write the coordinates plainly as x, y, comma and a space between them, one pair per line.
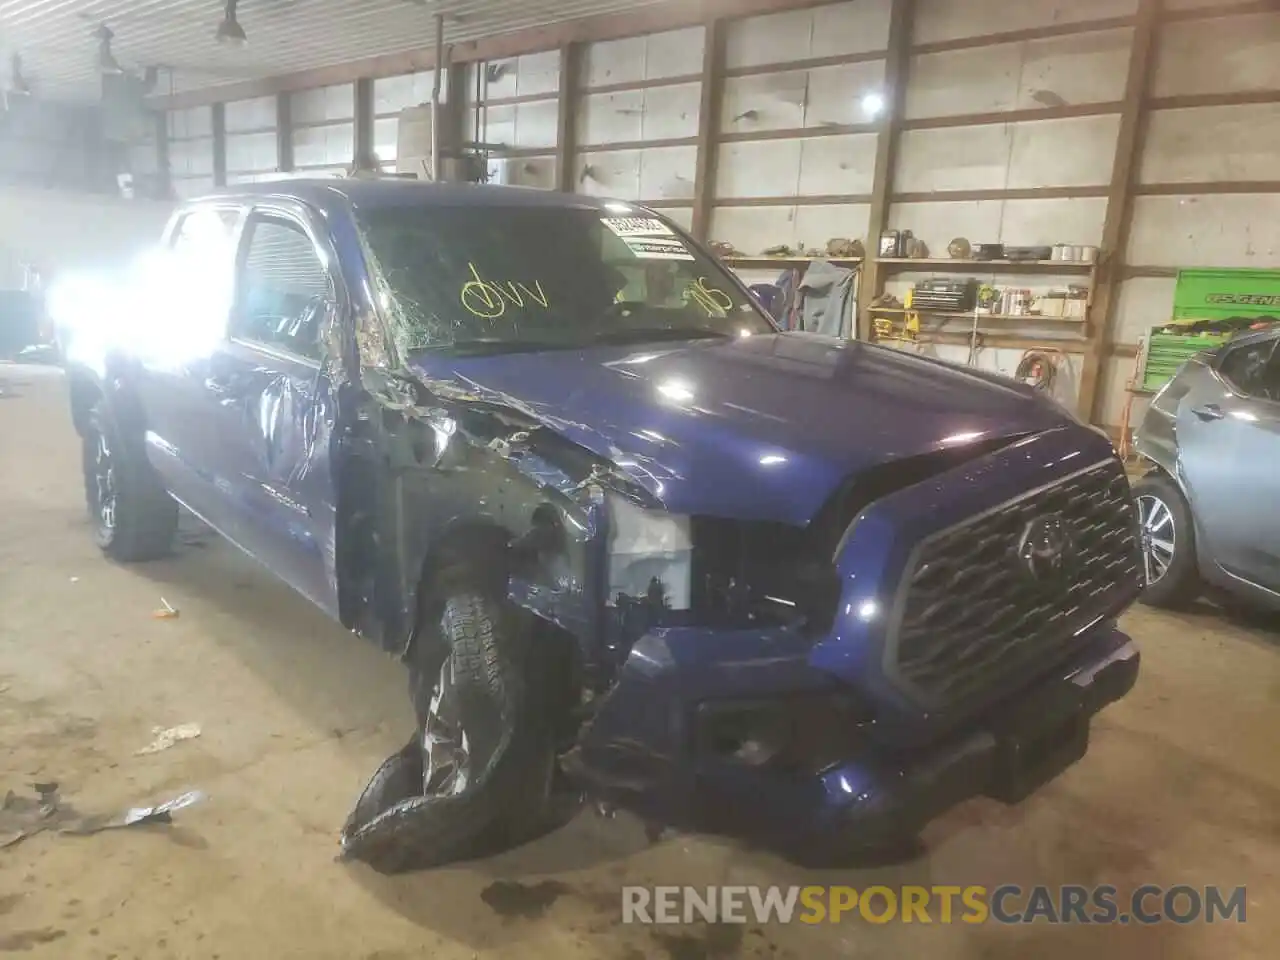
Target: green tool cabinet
1208, 294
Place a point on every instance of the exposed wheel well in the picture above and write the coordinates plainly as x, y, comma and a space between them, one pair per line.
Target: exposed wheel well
479, 553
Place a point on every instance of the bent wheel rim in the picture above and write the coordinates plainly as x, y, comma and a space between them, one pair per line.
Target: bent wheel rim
104, 479
1159, 537
446, 751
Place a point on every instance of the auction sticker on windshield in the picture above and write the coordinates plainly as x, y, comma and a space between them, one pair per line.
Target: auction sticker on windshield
637, 227
658, 248
648, 238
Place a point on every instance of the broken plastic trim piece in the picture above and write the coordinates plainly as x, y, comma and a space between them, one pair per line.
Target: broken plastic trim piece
23, 817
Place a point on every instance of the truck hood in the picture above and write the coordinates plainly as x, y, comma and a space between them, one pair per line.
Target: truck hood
759, 428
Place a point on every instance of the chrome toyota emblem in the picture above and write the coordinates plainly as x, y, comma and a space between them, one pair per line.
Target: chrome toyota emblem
1045, 548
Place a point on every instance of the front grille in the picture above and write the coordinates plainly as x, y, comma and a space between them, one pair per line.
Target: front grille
977, 614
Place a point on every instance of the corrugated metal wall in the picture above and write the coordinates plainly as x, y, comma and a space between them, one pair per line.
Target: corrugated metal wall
1203, 197
390, 96
1009, 130
793, 167
252, 147
324, 132
519, 109
637, 120
191, 151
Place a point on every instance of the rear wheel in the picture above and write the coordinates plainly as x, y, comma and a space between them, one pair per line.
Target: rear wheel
133, 517
1168, 543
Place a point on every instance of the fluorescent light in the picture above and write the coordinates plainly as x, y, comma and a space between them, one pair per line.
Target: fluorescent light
872, 105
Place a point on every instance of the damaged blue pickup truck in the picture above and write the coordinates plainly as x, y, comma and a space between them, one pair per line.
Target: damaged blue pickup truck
549, 452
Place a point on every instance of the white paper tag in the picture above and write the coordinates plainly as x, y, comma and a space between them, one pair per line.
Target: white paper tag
637, 227
658, 248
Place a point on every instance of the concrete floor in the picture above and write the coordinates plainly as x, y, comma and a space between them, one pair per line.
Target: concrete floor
1182, 783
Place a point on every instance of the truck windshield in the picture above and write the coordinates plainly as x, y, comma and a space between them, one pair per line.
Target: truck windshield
487, 279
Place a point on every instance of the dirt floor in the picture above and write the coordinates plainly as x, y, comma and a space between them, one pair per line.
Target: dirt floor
1181, 785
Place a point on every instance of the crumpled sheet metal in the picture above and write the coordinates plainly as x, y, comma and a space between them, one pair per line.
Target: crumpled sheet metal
395, 827
23, 817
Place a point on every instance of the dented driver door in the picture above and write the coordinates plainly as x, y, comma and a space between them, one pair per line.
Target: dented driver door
270, 400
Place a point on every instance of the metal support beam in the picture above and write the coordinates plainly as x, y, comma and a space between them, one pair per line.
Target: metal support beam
896, 71
1119, 216
437, 85
219, 145
567, 117
164, 171
284, 132
455, 100
709, 110
364, 157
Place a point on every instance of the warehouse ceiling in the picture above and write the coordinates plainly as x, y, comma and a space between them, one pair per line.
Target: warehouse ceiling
59, 42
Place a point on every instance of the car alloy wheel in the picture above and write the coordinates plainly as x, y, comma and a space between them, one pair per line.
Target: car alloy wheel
104, 477
1159, 537
446, 752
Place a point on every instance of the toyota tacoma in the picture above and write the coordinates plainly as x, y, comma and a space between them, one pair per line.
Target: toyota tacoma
549, 452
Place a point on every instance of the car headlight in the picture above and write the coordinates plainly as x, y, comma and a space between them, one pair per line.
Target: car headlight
645, 545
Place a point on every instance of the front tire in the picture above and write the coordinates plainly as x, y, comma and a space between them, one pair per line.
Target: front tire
133, 518
1168, 543
477, 778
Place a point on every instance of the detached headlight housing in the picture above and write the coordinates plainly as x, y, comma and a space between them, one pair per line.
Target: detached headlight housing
649, 545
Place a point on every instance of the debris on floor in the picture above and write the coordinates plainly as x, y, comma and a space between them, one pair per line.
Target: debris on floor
161, 813
165, 612
164, 739
22, 817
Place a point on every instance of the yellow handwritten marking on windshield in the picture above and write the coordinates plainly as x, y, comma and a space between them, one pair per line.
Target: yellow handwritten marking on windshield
489, 299
710, 299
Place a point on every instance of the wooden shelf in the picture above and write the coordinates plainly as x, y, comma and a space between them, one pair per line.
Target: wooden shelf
765, 263
992, 266
969, 315
995, 341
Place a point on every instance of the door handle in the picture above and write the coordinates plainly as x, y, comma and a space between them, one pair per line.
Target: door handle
1210, 411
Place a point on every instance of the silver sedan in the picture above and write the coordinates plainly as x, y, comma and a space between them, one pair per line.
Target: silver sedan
1210, 503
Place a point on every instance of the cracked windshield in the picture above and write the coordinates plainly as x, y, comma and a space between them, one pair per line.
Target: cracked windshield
508, 279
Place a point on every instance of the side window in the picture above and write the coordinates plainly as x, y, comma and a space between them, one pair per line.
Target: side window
284, 288
1252, 370
203, 230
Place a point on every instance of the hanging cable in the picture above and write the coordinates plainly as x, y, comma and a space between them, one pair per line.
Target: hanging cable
1039, 368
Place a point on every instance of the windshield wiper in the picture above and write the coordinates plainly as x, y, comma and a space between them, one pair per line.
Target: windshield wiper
481, 346
653, 334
